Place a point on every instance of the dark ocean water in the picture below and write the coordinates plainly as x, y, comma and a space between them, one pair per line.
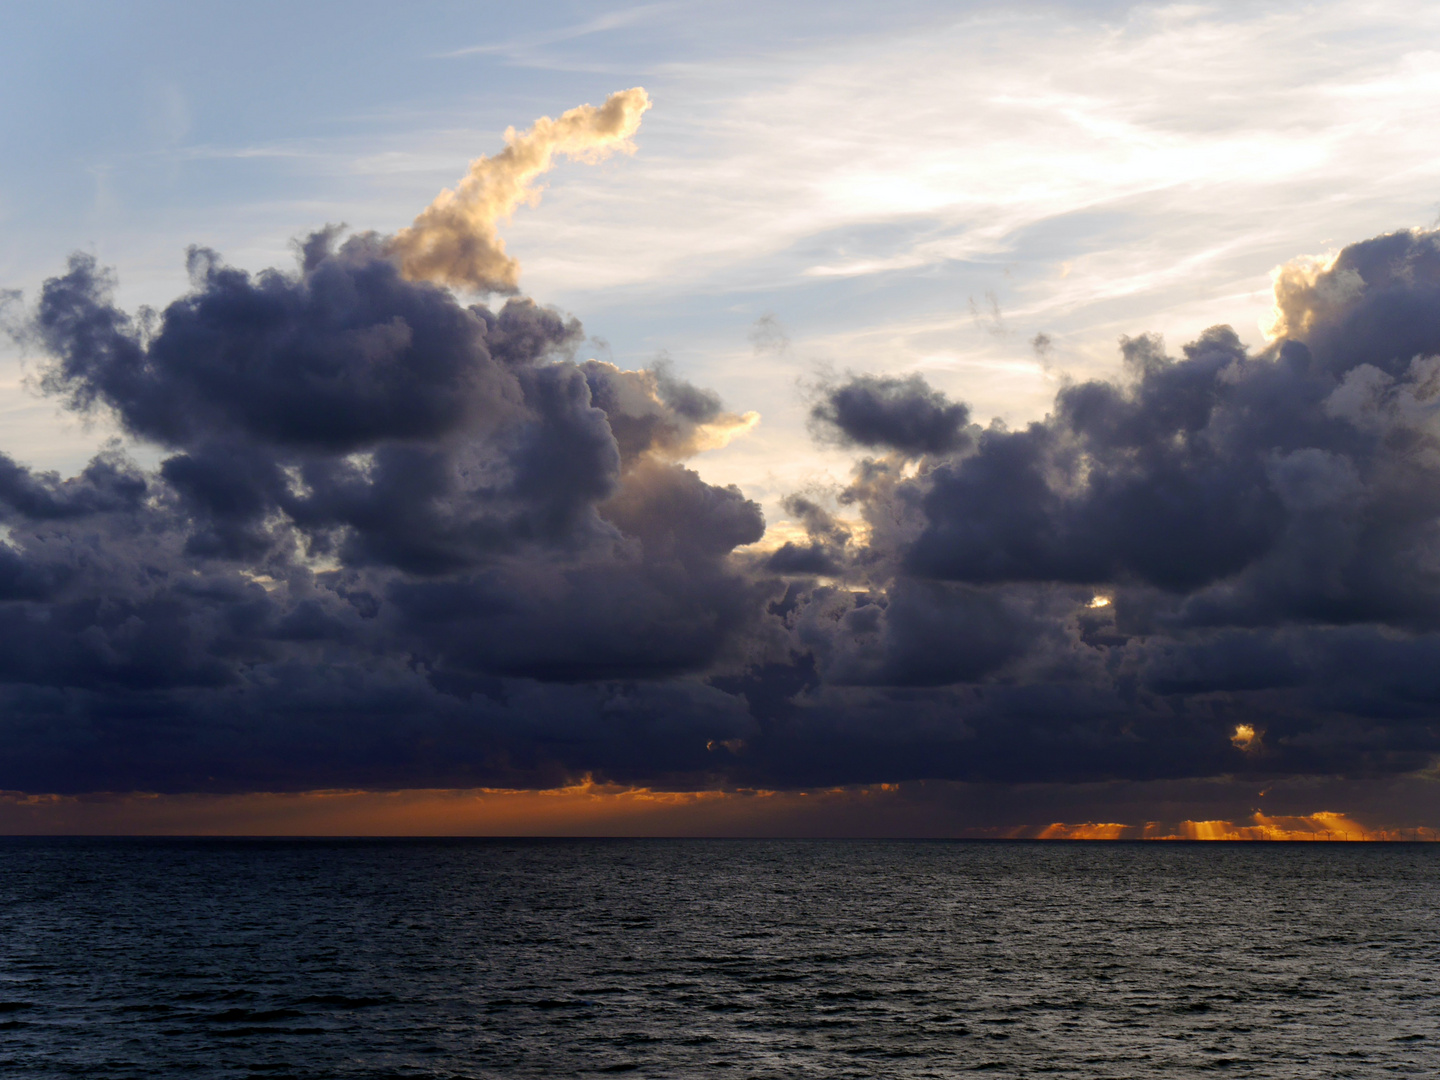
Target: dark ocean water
717, 959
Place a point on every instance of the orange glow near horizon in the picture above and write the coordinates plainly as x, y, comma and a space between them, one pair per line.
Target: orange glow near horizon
1089, 830
1324, 825
585, 808
588, 808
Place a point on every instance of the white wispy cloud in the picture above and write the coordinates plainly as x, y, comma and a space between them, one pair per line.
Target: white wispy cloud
1168, 160
524, 48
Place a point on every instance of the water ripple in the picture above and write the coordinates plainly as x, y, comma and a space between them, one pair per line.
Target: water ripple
697, 958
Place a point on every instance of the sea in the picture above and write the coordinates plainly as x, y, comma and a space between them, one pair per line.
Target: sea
717, 958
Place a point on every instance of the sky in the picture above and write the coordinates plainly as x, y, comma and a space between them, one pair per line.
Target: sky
906, 419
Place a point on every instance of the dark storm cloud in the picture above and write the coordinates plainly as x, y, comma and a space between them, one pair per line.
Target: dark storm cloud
109, 482
1377, 303
1168, 483
1222, 537
894, 414
336, 360
823, 553
371, 415
387, 520
397, 540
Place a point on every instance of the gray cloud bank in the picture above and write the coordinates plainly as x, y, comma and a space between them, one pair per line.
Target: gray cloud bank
401, 541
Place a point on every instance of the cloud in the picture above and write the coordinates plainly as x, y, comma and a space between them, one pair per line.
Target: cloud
385, 520
400, 540
768, 336
653, 414
1372, 303
901, 414
453, 241
1261, 526
827, 539
1293, 485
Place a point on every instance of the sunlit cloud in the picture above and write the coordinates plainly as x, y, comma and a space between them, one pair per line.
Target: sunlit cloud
1245, 738
1324, 825
1304, 288
453, 241
1089, 830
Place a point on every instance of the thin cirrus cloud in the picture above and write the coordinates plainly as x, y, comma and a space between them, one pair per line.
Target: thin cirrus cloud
881, 160
1098, 176
525, 49
983, 147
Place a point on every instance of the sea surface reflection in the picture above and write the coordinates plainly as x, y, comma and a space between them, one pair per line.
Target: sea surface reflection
476, 958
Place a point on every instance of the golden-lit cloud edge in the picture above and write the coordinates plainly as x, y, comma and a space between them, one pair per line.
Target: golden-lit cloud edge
1323, 825
595, 809
454, 240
